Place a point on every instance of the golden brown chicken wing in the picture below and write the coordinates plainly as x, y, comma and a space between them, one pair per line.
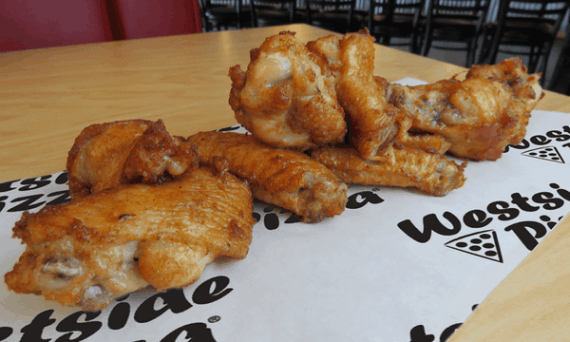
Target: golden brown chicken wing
283, 98
478, 116
286, 178
431, 173
328, 49
374, 124
122, 152
371, 120
91, 250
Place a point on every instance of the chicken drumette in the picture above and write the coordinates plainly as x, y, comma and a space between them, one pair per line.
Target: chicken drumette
283, 98
122, 152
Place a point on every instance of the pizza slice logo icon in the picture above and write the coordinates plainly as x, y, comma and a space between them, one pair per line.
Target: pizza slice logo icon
482, 244
548, 153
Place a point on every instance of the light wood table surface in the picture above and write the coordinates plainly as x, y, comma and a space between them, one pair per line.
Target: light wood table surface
48, 96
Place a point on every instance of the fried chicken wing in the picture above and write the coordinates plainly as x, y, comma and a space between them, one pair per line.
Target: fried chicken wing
106, 155
374, 124
431, 173
479, 116
371, 120
97, 248
286, 178
283, 99
328, 49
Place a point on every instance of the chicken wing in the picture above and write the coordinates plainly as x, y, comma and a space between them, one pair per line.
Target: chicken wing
374, 124
286, 178
371, 120
97, 248
479, 116
328, 49
122, 152
283, 99
431, 173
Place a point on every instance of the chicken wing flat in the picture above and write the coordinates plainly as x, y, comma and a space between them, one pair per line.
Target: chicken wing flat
283, 99
431, 173
286, 178
479, 116
122, 152
94, 249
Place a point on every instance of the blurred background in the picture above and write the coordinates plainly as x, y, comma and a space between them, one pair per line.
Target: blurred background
462, 32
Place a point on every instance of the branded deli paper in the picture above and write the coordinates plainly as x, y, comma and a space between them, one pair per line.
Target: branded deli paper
397, 265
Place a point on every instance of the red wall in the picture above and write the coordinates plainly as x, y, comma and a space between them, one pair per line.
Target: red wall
30, 24
141, 19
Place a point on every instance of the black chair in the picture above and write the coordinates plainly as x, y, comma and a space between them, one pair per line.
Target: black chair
395, 18
273, 12
220, 14
560, 82
335, 15
459, 22
528, 24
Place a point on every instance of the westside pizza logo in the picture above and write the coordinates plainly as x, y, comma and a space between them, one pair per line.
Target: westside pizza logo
482, 244
418, 333
485, 244
543, 147
272, 217
83, 325
547, 153
529, 232
29, 194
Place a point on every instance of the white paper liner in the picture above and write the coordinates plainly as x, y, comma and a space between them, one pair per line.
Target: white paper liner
355, 277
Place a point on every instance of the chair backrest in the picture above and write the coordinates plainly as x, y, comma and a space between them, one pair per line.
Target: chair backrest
32, 24
278, 2
211, 3
274, 11
395, 18
389, 7
541, 18
464, 9
330, 4
551, 12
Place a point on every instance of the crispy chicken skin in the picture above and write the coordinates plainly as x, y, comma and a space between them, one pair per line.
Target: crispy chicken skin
145, 213
479, 116
328, 50
431, 173
283, 98
286, 178
374, 124
371, 120
106, 155
94, 249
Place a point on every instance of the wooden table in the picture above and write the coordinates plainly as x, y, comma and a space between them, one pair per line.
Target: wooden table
48, 96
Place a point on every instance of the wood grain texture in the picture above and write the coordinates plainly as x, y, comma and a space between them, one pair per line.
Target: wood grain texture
49, 95
533, 303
